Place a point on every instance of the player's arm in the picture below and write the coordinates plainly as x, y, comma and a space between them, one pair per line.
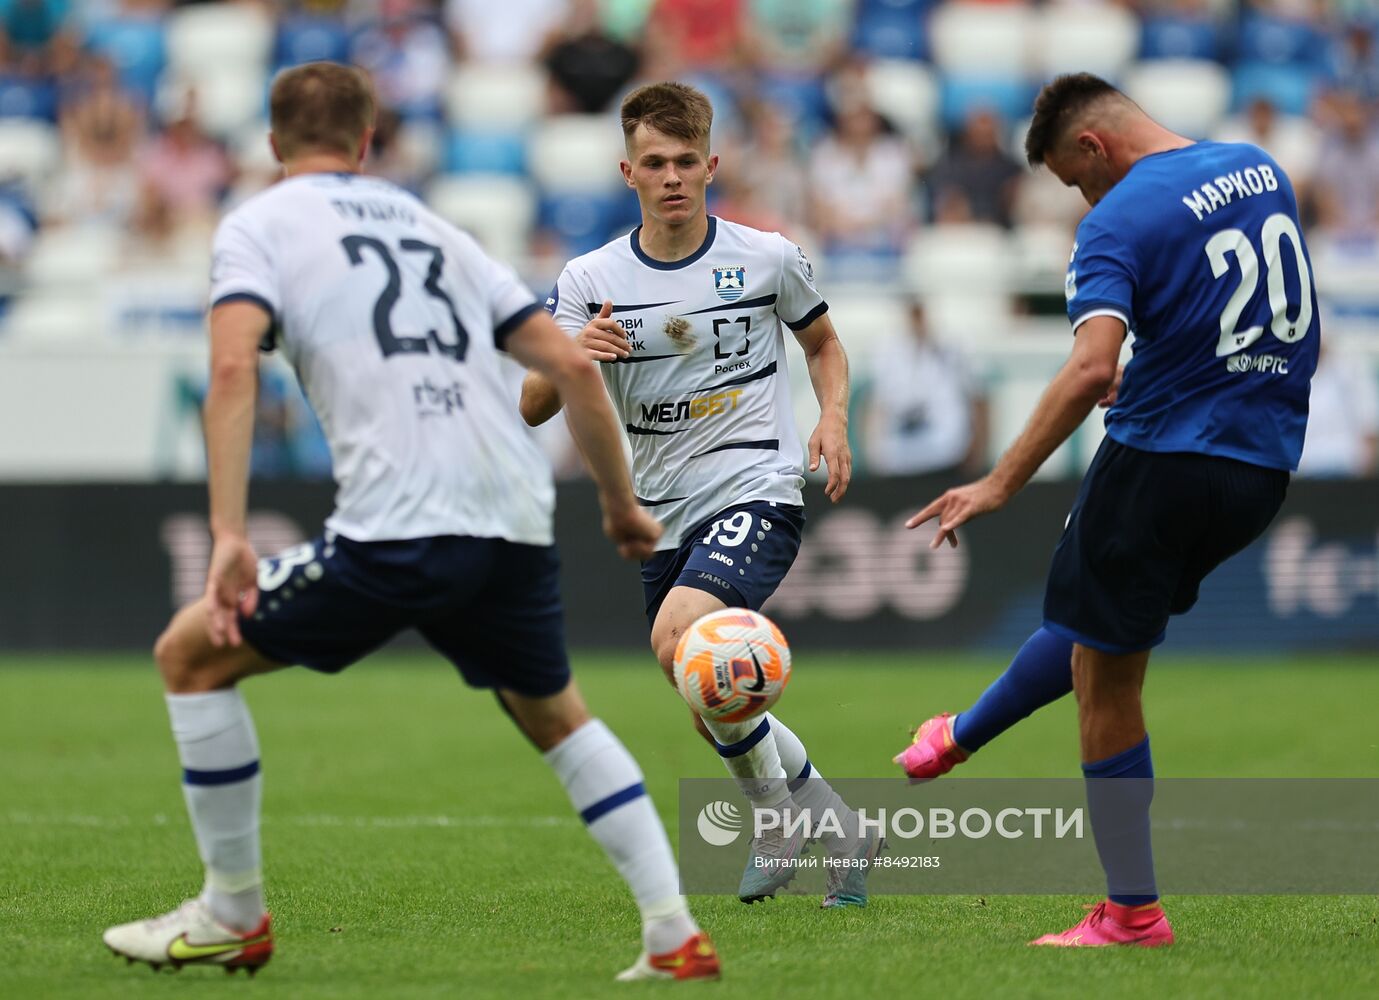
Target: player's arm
828, 372
602, 339
237, 328
1086, 377
566, 367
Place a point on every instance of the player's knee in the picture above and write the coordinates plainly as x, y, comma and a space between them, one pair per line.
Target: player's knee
665, 656
173, 657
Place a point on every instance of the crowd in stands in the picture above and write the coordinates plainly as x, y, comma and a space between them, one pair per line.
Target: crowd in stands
867, 130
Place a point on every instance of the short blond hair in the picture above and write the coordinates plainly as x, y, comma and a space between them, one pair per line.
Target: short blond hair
674, 109
320, 106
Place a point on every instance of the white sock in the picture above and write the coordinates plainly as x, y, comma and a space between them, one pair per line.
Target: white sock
749, 753
807, 786
221, 783
605, 786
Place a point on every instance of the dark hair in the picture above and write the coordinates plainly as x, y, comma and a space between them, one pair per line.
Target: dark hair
674, 109
1057, 105
320, 106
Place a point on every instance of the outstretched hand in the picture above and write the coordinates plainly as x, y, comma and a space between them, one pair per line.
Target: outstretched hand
958, 506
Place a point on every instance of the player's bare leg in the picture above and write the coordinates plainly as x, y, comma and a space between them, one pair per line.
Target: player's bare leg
227, 925
771, 766
605, 786
1115, 745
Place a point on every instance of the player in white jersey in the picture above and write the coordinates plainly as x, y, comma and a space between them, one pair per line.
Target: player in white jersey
687, 316
395, 322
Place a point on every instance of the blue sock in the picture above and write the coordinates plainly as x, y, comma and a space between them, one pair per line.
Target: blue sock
1119, 812
1042, 672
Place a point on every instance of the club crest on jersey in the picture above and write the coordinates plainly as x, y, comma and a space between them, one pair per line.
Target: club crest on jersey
730, 282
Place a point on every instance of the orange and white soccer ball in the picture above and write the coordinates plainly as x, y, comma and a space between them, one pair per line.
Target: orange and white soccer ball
732, 664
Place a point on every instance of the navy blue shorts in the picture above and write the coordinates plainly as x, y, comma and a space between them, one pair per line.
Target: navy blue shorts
1144, 532
491, 607
740, 555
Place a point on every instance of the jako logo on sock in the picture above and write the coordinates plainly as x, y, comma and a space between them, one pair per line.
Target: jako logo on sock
719, 823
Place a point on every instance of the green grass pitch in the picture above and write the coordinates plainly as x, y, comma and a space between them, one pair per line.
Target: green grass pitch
416, 846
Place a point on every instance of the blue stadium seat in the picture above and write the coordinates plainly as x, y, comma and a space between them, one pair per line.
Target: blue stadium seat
1169, 37
1281, 41
1010, 97
1291, 89
468, 151
583, 222
24, 97
802, 99
303, 39
892, 29
137, 48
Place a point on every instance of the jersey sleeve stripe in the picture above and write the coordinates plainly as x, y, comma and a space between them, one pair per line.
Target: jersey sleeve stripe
1102, 309
809, 317
270, 339
764, 300
503, 329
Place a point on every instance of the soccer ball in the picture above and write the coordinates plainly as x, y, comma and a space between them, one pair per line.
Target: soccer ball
732, 664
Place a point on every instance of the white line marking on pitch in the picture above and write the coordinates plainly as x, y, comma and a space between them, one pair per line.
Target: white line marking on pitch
382, 822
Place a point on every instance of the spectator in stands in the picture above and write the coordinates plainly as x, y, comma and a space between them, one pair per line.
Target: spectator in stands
183, 171
1293, 142
394, 155
35, 38
18, 227
502, 30
1347, 186
924, 412
1357, 62
860, 177
130, 34
102, 125
770, 170
800, 36
1343, 422
976, 171
588, 66
710, 35
408, 55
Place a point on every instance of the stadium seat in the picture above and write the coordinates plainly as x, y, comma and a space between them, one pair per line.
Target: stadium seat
24, 97
576, 154
1281, 41
1291, 89
495, 97
864, 318
583, 222
982, 39
485, 152
1040, 257
907, 95
226, 100
303, 38
801, 99
136, 47
29, 149
208, 38
1167, 36
964, 319
1186, 95
497, 211
892, 29
72, 257
963, 259
1073, 39
1009, 96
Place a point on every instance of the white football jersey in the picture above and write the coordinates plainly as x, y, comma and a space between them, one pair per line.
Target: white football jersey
705, 395
393, 320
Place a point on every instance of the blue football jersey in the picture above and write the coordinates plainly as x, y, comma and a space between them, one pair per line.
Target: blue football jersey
1199, 250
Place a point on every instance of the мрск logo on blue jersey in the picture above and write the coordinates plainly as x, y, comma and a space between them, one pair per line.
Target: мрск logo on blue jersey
730, 282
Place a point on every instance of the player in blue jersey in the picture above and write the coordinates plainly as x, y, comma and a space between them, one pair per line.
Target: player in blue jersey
1196, 249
